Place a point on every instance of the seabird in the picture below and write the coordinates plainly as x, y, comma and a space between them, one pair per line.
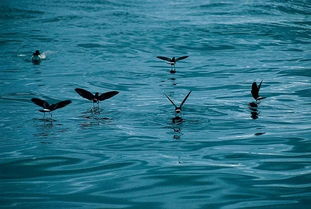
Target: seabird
97, 97
255, 91
47, 107
172, 61
36, 57
178, 109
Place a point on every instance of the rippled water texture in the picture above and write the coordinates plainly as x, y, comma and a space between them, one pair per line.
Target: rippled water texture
130, 154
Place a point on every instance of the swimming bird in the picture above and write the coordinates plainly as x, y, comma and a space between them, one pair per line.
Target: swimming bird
178, 109
255, 91
172, 61
47, 107
36, 57
97, 97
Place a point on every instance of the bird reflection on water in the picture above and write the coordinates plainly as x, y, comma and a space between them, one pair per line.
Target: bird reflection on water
92, 117
176, 126
253, 106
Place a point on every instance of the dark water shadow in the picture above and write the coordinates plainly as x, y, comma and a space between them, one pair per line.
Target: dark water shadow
176, 125
259, 133
47, 127
93, 117
46, 120
173, 80
253, 107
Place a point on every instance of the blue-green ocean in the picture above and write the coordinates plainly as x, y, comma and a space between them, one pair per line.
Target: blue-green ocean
130, 154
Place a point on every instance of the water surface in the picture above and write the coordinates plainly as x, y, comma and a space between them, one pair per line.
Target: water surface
132, 155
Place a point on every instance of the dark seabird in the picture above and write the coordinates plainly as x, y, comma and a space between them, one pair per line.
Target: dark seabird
36, 57
178, 109
172, 61
255, 91
97, 97
47, 107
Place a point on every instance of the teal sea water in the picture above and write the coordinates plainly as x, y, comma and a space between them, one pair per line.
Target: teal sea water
131, 155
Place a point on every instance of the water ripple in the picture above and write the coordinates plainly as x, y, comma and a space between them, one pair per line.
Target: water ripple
132, 152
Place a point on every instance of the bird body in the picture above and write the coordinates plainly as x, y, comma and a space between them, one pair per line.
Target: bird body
36, 57
255, 91
253, 106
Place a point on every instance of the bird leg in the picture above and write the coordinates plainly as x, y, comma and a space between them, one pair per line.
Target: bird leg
98, 107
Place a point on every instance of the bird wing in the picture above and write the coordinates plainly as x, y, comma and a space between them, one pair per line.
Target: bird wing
259, 86
255, 90
170, 100
59, 105
108, 95
181, 58
85, 94
185, 99
164, 58
40, 102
